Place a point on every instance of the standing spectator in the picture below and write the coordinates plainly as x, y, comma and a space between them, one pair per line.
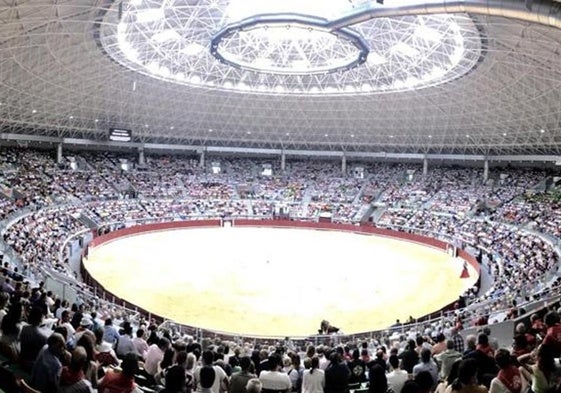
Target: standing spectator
427, 364
378, 382
409, 357
397, 376
337, 375
210, 378
239, 380
314, 379
274, 380
458, 340
447, 358
358, 368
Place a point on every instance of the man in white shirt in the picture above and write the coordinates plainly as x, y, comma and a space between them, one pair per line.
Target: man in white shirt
140, 344
155, 355
125, 344
274, 380
397, 377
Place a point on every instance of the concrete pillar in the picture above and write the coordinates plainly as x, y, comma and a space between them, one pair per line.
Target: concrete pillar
141, 158
202, 159
344, 165
425, 166
283, 161
486, 170
59, 153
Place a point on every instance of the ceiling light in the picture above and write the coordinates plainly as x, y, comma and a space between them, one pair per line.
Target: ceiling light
428, 33
405, 49
542, 130
150, 15
34, 111
375, 59
166, 35
193, 49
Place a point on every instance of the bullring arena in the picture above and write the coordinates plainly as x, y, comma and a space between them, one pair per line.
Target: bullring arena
275, 280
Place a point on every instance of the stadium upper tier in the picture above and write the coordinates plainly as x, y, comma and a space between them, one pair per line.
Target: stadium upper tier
507, 219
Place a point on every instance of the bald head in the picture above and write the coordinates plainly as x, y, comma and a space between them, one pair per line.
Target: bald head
79, 359
56, 343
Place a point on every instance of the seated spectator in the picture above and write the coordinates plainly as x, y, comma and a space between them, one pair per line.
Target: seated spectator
544, 372
254, 385
45, 375
32, 339
155, 355
467, 379
11, 327
73, 378
509, 378
125, 342
174, 380
140, 344
553, 336
115, 381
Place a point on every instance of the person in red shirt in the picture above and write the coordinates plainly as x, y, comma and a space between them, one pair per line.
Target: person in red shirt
553, 336
120, 381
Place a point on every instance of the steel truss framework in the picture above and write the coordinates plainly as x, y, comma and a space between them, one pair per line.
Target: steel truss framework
57, 81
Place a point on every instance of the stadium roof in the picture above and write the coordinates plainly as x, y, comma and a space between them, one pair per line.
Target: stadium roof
468, 77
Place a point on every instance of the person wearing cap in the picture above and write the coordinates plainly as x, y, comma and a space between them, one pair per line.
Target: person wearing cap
85, 324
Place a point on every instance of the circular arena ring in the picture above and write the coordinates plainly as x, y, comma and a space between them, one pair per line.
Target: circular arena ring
275, 278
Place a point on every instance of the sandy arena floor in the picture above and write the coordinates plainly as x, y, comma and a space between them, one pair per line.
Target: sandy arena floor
276, 281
